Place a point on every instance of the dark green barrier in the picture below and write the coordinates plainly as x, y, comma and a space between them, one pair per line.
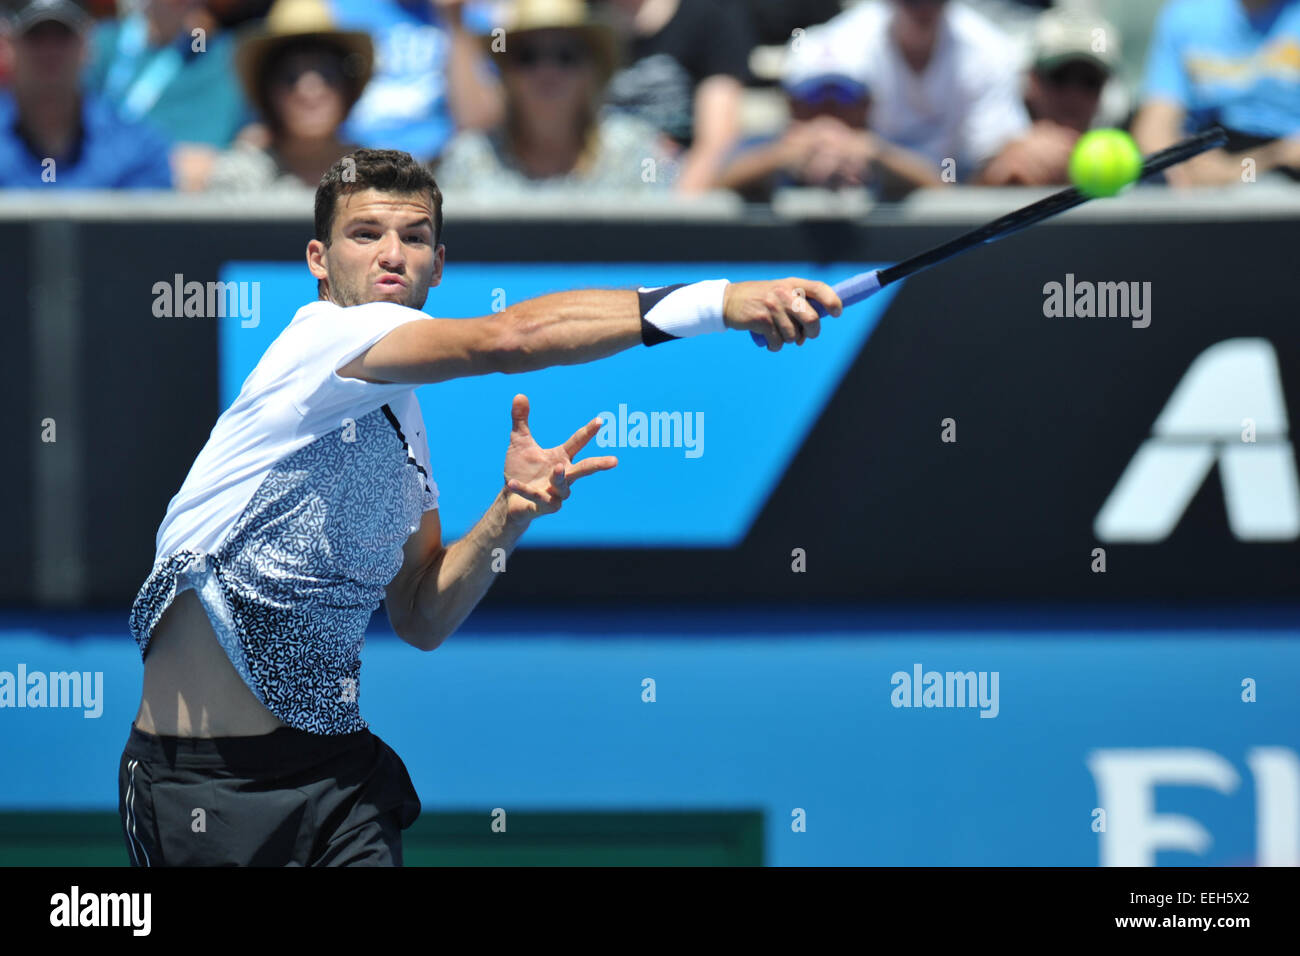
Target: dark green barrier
450, 839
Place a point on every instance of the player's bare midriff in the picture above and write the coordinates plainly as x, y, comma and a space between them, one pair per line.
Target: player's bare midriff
190, 687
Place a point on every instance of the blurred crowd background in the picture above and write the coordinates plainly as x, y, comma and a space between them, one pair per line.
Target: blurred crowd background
621, 97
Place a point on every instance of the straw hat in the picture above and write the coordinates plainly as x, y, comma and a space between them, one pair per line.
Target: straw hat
293, 20
530, 16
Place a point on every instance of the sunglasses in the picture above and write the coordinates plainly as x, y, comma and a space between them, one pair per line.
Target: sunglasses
567, 55
1078, 75
329, 69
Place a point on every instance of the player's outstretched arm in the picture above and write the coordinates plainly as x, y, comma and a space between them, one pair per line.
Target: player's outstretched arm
571, 328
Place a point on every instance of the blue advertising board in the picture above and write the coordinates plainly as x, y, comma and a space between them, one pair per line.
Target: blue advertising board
1078, 747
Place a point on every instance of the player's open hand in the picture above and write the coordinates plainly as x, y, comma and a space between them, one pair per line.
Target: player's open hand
778, 311
539, 479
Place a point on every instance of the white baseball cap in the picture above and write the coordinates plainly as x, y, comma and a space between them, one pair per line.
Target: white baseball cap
1061, 36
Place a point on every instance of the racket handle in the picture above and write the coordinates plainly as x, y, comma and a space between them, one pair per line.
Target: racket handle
851, 291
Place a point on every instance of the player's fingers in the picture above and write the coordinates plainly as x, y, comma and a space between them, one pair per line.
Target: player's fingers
536, 495
822, 293
809, 320
785, 326
778, 314
559, 482
580, 438
546, 498
796, 308
589, 466
519, 415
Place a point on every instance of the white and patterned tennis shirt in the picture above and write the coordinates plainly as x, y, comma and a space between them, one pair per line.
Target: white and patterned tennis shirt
292, 519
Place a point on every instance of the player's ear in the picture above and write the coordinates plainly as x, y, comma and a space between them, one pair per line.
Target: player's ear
439, 260
316, 259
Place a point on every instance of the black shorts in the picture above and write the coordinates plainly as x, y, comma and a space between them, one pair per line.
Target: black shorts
287, 798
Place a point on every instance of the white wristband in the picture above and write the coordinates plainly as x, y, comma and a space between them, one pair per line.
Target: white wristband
680, 311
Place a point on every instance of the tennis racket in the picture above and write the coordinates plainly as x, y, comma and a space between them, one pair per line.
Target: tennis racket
865, 284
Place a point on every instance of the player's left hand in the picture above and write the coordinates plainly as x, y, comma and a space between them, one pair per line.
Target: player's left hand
539, 479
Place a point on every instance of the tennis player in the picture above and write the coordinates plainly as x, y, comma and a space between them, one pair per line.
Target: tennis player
313, 500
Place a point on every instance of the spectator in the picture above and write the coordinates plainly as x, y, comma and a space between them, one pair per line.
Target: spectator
1072, 58
827, 142
304, 75
1231, 62
54, 134
943, 80
555, 67
149, 66
688, 61
431, 79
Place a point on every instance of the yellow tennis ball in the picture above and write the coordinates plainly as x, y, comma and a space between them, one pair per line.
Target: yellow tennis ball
1104, 161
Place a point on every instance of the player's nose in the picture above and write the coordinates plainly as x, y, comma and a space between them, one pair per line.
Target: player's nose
391, 255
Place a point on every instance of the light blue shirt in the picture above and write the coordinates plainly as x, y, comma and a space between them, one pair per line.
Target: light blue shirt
1224, 65
404, 105
189, 96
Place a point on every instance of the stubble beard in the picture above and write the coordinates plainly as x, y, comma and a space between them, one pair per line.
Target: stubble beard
346, 296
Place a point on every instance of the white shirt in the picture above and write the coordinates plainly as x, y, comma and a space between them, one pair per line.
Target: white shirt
965, 106
291, 522
292, 398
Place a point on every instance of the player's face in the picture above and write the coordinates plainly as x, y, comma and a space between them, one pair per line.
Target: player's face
382, 250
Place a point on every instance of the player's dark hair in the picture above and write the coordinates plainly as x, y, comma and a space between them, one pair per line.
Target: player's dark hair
387, 170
